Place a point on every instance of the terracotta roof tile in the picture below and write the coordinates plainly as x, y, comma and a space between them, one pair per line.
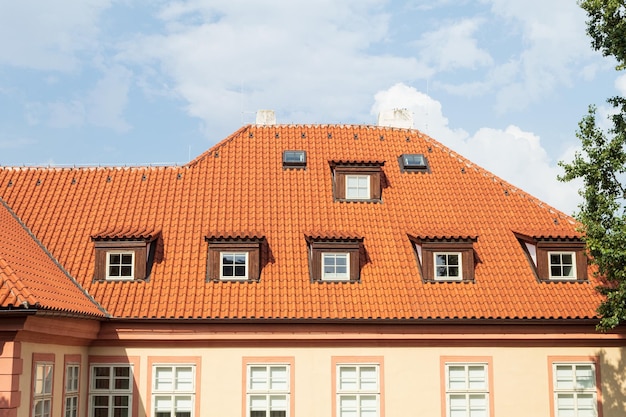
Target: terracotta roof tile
31, 278
239, 189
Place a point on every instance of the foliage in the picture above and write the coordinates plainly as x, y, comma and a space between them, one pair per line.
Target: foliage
602, 166
607, 27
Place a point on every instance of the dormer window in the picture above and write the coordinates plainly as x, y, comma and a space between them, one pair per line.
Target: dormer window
413, 163
294, 159
556, 258
334, 259
357, 181
234, 257
124, 256
445, 259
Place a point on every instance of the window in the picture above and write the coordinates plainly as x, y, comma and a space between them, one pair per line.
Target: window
358, 187
268, 390
234, 259
334, 259
446, 259
120, 265
467, 390
413, 163
562, 265
234, 265
173, 390
335, 266
110, 391
72, 372
357, 181
555, 259
42, 389
575, 389
358, 390
448, 266
294, 159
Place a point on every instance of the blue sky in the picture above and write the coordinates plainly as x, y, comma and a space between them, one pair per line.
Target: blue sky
502, 82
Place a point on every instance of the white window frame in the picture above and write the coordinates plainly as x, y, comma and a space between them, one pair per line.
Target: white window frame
334, 276
72, 387
448, 277
264, 392
180, 389
360, 391
576, 390
120, 277
357, 191
234, 254
561, 265
110, 392
467, 392
42, 389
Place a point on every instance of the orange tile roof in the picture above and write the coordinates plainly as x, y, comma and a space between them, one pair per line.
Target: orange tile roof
30, 278
240, 188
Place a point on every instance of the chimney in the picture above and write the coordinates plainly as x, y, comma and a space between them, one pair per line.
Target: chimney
401, 118
265, 117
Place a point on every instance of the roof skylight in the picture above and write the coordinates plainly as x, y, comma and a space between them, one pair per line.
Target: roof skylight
294, 159
413, 162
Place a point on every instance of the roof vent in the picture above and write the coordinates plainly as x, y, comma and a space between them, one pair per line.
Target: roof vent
265, 118
401, 118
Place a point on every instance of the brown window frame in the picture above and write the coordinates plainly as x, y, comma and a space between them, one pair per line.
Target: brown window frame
352, 247
543, 249
140, 249
341, 170
464, 247
250, 246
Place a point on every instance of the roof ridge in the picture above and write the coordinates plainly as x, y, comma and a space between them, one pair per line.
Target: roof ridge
217, 146
52, 258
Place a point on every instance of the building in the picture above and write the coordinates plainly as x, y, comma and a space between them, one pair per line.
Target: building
297, 270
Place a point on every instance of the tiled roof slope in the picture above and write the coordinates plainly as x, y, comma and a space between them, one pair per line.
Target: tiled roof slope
30, 278
239, 188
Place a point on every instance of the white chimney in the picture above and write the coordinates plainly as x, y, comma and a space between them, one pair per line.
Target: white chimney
265, 117
401, 118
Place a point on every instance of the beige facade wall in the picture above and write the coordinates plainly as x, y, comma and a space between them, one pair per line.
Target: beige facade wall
412, 377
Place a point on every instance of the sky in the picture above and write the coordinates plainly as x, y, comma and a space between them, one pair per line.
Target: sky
120, 82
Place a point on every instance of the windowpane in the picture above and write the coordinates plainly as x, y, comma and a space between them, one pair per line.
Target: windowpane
335, 266
467, 390
234, 264
357, 187
270, 384
447, 265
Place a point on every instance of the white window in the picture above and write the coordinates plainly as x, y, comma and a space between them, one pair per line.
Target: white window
42, 389
358, 187
234, 265
335, 266
575, 390
173, 390
562, 265
110, 391
268, 390
72, 372
358, 390
120, 265
467, 390
448, 266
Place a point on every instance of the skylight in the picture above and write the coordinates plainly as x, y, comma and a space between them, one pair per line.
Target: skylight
294, 159
413, 162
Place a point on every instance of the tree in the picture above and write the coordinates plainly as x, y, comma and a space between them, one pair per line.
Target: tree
601, 164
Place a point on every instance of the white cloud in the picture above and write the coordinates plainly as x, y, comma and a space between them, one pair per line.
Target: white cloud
513, 154
48, 34
453, 46
309, 61
102, 106
620, 85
